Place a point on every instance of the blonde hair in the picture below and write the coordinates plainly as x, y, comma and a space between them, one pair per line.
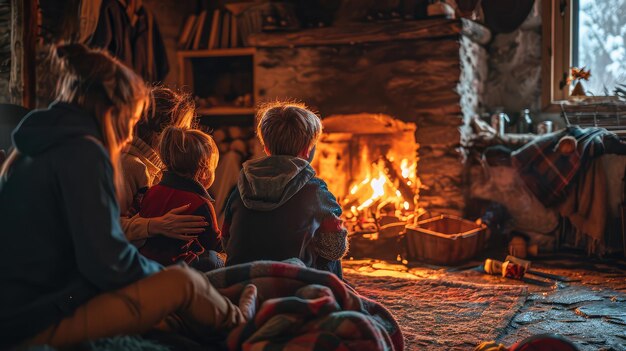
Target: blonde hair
189, 152
102, 86
288, 128
168, 108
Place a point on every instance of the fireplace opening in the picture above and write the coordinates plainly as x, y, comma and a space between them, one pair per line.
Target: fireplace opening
369, 162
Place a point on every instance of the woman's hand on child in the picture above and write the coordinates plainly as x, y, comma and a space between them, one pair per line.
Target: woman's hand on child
177, 226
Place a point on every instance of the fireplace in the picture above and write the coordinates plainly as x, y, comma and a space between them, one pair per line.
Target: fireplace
383, 92
427, 73
369, 162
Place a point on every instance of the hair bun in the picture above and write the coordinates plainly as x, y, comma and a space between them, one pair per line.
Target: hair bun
172, 130
71, 50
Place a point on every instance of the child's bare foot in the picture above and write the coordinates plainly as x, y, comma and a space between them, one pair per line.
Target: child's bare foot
248, 301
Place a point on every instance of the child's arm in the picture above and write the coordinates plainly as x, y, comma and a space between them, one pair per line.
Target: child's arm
330, 241
228, 218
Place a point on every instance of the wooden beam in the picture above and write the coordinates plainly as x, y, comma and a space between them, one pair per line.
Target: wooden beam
23, 80
361, 33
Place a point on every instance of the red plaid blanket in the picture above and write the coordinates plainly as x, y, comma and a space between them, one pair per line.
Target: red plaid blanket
547, 172
305, 309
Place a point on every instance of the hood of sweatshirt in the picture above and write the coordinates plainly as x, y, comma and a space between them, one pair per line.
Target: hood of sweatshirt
267, 183
42, 129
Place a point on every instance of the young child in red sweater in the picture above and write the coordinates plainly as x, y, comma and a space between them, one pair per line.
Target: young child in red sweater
190, 157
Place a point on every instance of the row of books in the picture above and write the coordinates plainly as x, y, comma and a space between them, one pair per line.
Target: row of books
216, 30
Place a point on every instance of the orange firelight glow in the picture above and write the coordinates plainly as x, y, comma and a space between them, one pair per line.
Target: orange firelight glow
379, 189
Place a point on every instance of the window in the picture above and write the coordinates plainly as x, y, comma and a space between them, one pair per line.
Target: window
599, 42
583, 33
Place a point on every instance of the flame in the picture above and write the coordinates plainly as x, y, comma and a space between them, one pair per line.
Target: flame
408, 171
378, 187
404, 166
354, 189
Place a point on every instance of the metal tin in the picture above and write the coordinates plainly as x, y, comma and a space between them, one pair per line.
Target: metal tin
545, 127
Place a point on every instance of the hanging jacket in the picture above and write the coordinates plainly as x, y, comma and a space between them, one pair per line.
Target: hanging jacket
114, 31
149, 54
280, 210
137, 42
61, 238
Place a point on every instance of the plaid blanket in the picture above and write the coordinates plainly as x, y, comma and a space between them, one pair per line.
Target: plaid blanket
547, 172
305, 309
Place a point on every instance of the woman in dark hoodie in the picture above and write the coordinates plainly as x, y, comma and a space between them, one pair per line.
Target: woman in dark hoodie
67, 272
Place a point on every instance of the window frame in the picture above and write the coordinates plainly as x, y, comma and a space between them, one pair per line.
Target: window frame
557, 23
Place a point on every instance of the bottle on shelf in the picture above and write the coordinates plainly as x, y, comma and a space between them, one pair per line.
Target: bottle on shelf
525, 122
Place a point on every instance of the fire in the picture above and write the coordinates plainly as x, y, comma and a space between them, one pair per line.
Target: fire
378, 187
408, 170
381, 190
369, 162
389, 187
404, 166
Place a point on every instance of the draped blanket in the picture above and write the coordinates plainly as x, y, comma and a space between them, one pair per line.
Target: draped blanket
549, 173
305, 309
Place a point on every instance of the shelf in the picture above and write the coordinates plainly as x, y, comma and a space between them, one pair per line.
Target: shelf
217, 53
362, 33
225, 111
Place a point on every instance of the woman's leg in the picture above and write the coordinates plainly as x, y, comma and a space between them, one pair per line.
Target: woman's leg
141, 305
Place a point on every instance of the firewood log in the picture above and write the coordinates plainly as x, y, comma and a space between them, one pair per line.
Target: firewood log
239, 145
235, 132
219, 136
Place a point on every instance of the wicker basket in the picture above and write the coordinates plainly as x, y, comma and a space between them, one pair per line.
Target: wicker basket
445, 240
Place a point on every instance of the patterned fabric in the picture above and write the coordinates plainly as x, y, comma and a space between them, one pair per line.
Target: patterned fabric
544, 342
490, 346
305, 309
548, 172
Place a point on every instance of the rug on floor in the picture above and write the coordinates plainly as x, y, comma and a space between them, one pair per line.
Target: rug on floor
443, 315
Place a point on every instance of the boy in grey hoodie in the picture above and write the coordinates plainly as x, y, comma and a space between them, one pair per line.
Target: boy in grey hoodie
279, 209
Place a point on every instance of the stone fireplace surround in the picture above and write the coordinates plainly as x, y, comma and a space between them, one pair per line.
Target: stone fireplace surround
427, 72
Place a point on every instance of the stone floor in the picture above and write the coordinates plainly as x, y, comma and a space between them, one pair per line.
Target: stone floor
589, 309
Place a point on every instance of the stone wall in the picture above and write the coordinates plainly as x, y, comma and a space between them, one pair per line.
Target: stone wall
433, 81
514, 80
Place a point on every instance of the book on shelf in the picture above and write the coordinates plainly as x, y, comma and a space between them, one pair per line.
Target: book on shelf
186, 32
234, 38
215, 27
200, 30
192, 35
224, 40
244, 28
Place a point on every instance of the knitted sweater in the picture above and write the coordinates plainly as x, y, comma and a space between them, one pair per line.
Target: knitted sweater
142, 168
